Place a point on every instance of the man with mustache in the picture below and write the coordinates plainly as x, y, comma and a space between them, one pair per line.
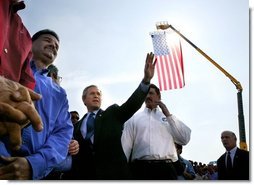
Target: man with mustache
41, 152
149, 137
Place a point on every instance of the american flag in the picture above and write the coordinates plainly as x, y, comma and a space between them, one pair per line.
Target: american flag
169, 64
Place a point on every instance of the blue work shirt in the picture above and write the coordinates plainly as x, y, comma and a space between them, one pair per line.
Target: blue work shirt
188, 168
45, 149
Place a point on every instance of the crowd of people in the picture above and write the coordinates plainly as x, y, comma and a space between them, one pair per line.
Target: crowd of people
40, 138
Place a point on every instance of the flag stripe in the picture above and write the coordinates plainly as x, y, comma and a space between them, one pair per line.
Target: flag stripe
176, 62
158, 72
169, 72
169, 61
163, 71
173, 67
180, 59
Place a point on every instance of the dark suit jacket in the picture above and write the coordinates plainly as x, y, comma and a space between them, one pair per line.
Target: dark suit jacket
105, 159
240, 169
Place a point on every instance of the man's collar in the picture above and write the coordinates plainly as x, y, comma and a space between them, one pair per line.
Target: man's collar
33, 67
151, 110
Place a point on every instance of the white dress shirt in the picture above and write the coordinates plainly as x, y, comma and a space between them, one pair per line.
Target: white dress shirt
149, 135
232, 155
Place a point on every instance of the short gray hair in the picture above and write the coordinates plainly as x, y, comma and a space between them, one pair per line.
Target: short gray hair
86, 89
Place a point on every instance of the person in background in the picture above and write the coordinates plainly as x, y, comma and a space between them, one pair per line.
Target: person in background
234, 163
53, 73
16, 79
189, 172
61, 171
148, 140
66, 173
41, 152
212, 174
74, 117
200, 175
99, 132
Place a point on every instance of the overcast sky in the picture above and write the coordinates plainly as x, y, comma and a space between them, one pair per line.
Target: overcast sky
104, 42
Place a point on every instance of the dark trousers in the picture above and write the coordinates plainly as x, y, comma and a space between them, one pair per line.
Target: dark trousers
54, 176
83, 164
153, 170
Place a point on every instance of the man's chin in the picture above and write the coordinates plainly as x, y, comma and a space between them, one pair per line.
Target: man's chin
96, 107
148, 101
149, 105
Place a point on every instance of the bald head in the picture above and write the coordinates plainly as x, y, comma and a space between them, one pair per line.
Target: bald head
228, 139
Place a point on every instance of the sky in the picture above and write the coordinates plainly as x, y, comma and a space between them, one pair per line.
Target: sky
105, 43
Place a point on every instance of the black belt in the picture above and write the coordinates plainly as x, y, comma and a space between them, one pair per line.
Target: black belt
152, 161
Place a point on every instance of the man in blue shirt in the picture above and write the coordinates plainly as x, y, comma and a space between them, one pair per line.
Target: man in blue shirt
189, 172
40, 152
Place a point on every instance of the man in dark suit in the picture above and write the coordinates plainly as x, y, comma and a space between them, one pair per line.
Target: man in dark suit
234, 163
101, 156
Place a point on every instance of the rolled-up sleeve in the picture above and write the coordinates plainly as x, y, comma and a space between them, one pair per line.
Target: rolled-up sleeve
180, 132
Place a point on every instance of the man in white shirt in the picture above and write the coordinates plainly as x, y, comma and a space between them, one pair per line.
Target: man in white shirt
148, 140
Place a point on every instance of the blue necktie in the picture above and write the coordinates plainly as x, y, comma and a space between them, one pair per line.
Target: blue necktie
229, 161
90, 126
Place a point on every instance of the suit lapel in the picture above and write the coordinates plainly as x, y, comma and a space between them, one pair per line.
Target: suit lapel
77, 130
97, 126
235, 161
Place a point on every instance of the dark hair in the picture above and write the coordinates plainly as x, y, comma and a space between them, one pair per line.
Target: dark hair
178, 146
52, 69
43, 32
157, 90
86, 89
74, 112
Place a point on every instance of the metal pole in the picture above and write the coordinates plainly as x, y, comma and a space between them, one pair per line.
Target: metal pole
243, 144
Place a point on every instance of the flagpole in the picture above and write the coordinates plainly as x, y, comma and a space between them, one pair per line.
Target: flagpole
243, 145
